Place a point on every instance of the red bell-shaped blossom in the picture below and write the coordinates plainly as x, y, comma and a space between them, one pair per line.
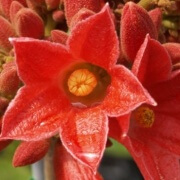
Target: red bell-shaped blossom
152, 136
73, 89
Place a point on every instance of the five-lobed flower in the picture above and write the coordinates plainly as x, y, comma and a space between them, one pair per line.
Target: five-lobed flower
48, 103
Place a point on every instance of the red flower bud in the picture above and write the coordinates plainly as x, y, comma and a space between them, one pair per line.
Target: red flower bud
52, 4
14, 8
29, 24
81, 15
156, 16
6, 31
5, 6
58, 16
135, 24
9, 80
59, 36
30, 152
36, 5
174, 51
73, 6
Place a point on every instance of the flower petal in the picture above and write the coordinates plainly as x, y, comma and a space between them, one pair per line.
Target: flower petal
66, 167
154, 161
34, 114
39, 61
30, 152
94, 40
152, 63
135, 24
85, 134
167, 90
119, 126
125, 93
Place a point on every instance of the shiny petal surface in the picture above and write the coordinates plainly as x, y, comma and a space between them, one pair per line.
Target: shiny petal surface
85, 134
39, 61
66, 167
152, 63
34, 114
154, 161
135, 24
94, 40
125, 93
73, 6
30, 152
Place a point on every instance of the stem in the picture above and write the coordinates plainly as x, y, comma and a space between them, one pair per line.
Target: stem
48, 162
37, 169
50, 25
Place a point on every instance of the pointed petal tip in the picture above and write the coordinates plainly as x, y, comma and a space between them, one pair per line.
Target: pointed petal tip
105, 8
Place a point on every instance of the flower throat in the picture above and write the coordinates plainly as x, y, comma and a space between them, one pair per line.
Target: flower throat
86, 84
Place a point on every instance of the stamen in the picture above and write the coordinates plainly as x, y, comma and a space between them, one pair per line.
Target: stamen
144, 116
81, 82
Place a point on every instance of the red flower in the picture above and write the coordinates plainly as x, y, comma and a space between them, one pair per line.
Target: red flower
153, 137
72, 89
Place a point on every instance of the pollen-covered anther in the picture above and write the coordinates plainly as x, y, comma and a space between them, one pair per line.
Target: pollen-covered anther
81, 82
144, 116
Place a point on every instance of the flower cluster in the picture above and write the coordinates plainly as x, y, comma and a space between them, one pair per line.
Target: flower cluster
74, 73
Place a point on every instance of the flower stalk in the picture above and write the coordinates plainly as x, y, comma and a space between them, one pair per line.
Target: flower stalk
48, 162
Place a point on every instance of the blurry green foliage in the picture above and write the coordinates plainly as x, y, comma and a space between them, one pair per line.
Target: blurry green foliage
7, 171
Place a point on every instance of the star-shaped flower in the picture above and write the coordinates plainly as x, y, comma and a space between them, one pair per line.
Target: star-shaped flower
151, 134
71, 90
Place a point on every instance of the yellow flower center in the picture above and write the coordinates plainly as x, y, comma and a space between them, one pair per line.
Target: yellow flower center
81, 82
144, 116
